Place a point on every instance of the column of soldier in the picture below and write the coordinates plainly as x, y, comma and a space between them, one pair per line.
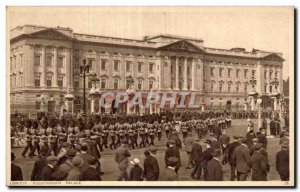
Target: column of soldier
71, 151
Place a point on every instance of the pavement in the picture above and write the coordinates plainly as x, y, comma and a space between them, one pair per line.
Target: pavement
110, 168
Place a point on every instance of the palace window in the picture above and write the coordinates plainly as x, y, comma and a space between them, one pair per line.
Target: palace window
103, 83
212, 87
90, 84
140, 66
37, 60
220, 87
271, 74
238, 73
237, 88
150, 84
116, 65
116, 84
179, 69
245, 88
180, 85
229, 72
166, 64
246, 73
128, 66
265, 74
128, 83
49, 80
140, 84
37, 105
60, 81
276, 74
151, 67
49, 61
37, 81
266, 88
270, 89
60, 62
253, 73
229, 88
212, 72
221, 72
76, 82
90, 63
188, 70
103, 64
77, 63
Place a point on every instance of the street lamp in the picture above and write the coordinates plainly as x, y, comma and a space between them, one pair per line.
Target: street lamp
84, 68
94, 92
259, 101
253, 93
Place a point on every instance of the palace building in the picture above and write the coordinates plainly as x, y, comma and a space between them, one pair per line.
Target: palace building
45, 67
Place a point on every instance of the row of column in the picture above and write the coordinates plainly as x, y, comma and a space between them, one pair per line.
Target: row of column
184, 74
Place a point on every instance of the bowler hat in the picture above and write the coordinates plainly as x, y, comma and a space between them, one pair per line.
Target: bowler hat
152, 148
257, 146
71, 153
285, 145
77, 161
216, 152
172, 142
243, 140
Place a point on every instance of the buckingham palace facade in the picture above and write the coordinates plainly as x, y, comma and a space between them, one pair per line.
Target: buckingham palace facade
45, 67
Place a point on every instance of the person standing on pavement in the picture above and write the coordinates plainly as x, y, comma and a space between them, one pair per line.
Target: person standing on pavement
49, 168
172, 151
214, 167
283, 162
189, 142
16, 171
262, 138
170, 173
196, 155
241, 158
224, 140
229, 157
136, 172
151, 167
121, 158
39, 164
259, 164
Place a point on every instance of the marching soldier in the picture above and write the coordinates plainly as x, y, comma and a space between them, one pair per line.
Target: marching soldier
142, 135
159, 131
151, 134
131, 137
167, 128
35, 139
29, 134
184, 129
112, 134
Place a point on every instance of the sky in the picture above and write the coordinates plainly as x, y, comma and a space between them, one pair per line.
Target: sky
264, 28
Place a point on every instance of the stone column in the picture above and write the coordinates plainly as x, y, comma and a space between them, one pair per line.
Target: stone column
28, 65
55, 72
68, 66
43, 62
177, 74
268, 79
185, 74
260, 81
201, 73
280, 87
252, 103
193, 74
275, 103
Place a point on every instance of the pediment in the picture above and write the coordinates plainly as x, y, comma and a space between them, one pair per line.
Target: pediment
273, 57
51, 34
182, 46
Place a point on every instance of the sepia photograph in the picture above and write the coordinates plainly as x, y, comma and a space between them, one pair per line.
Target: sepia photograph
150, 96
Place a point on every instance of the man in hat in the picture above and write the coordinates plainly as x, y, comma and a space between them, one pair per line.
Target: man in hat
215, 143
224, 140
121, 158
84, 155
39, 164
217, 131
189, 142
259, 164
214, 167
91, 173
151, 167
136, 172
170, 173
75, 171
229, 156
67, 165
16, 171
196, 157
206, 157
262, 138
59, 176
283, 162
241, 158
172, 151
49, 168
